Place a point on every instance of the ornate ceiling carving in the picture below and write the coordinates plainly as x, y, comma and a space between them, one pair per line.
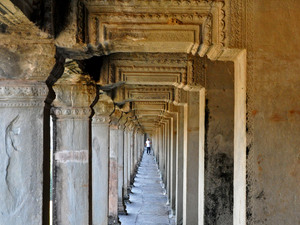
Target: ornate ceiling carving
167, 26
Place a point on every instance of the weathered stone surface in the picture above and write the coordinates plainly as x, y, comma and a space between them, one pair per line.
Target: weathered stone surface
21, 152
258, 37
190, 160
26, 52
219, 144
273, 112
75, 93
100, 159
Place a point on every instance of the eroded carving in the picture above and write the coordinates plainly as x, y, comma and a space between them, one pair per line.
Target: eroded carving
13, 180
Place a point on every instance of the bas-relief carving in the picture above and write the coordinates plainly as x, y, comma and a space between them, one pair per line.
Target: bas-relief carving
13, 183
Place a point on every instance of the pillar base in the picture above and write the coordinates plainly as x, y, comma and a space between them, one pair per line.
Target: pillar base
122, 208
113, 220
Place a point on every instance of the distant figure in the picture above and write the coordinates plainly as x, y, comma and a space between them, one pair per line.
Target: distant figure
148, 145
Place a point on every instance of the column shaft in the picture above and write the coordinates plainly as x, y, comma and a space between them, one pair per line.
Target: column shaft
100, 159
71, 154
74, 94
121, 204
125, 185
191, 161
179, 165
113, 176
21, 152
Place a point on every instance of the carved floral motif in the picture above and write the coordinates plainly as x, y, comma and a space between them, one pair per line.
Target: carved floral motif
71, 112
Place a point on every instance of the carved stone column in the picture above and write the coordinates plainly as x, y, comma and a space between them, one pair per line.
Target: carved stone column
136, 151
100, 158
74, 94
121, 203
125, 185
21, 151
137, 154
113, 168
141, 145
130, 159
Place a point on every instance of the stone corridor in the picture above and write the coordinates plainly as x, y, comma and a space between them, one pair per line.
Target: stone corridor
214, 84
148, 202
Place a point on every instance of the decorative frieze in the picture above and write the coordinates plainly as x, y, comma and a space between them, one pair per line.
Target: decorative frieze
74, 112
22, 94
180, 96
153, 3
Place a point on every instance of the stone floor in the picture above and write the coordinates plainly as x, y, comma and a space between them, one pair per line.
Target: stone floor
148, 202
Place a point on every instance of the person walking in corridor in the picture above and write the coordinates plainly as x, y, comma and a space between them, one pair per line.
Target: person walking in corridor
148, 145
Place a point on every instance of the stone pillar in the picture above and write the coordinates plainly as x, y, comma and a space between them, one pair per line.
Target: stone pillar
179, 165
139, 147
157, 143
173, 162
132, 148
191, 160
165, 150
168, 158
161, 146
113, 168
74, 94
100, 158
121, 203
142, 144
125, 185
135, 147
21, 151
130, 152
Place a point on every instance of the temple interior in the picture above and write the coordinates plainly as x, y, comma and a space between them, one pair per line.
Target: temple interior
213, 84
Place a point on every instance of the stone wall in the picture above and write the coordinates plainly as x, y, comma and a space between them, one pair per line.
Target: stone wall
273, 89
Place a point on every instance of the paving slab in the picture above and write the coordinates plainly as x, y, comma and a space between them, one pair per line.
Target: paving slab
148, 202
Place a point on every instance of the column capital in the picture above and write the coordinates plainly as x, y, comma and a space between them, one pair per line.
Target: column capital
103, 108
75, 92
22, 93
115, 118
123, 121
180, 96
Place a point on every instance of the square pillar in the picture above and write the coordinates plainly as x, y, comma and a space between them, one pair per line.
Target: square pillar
74, 94
21, 152
125, 184
100, 160
179, 165
121, 203
191, 159
113, 218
